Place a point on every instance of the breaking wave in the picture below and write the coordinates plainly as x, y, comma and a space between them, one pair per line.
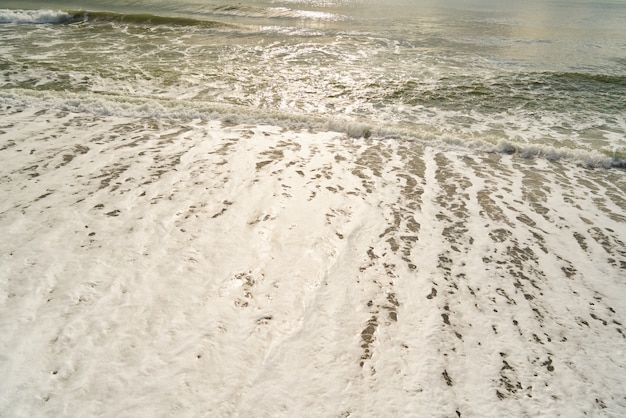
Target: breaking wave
128, 107
35, 16
82, 16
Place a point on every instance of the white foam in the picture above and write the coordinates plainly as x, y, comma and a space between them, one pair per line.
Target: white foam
588, 158
354, 129
34, 16
153, 265
103, 105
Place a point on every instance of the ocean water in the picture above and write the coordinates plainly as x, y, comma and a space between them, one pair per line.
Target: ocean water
543, 78
344, 208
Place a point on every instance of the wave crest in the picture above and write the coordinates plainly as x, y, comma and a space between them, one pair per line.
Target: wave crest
82, 16
35, 16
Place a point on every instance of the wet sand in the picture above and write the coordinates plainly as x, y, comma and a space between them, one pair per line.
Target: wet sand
206, 268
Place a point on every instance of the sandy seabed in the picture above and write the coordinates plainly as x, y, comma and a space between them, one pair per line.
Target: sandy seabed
167, 268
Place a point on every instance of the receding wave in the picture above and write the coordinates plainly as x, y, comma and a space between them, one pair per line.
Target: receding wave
117, 106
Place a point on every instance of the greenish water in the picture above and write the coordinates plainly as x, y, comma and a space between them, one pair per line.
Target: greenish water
539, 74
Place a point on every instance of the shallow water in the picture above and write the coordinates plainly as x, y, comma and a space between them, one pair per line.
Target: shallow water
546, 76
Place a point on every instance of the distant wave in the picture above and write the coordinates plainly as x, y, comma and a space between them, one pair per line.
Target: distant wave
276, 12
82, 16
35, 16
144, 18
8, 16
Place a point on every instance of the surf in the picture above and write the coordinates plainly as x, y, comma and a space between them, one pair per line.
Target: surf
25, 17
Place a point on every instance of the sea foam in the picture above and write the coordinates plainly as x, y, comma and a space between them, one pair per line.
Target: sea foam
154, 108
34, 16
157, 265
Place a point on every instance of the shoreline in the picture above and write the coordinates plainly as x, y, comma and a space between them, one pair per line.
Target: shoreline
158, 267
